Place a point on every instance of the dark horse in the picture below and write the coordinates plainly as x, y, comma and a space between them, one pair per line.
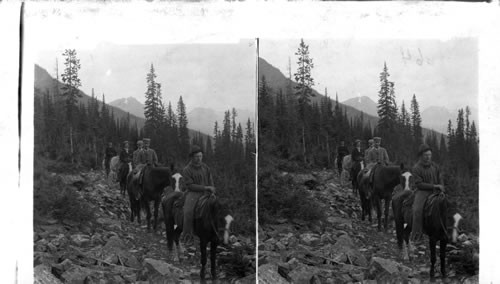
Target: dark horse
440, 223
365, 195
125, 169
173, 215
385, 178
154, 182
357, 166
402, 202
209, 215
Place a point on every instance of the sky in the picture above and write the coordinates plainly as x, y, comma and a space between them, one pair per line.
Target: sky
216, 76
439, 73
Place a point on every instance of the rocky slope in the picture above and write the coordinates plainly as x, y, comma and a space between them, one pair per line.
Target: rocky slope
113, 250
344, 249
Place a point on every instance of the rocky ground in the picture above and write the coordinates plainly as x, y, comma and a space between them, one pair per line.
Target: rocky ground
345, 249
111, 249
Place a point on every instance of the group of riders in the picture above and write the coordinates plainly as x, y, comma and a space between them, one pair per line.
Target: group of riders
426, 174
196, 175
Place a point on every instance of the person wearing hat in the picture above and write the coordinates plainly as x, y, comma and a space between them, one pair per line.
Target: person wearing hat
198, 181
356, 155
376, 156
125, 159
138, 160
342, 151
370, 147
148, 158
109, 153
427, 178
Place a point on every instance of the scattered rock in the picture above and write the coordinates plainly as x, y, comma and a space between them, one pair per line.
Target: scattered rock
157, 268
110, 223
381, 268
310, 239
268, 274
78, 274
42, 275
80, 240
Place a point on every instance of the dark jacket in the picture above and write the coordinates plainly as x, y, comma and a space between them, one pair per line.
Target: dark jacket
126, 157
110, 153
426, 176
342, 151
357, 155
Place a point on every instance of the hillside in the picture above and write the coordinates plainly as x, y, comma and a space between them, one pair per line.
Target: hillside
364, 104
277, 80
45, 82
129, 104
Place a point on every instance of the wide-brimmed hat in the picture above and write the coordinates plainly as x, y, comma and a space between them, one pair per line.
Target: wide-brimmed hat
195, 149
125, 143
146, 140
370, 141
139, 142
423, 148
357, 141
377, 139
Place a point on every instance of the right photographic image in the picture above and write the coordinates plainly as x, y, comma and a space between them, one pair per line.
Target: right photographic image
368, 160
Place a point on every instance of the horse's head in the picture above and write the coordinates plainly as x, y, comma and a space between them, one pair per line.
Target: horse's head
175, 178
224, 218
453, 219
406, 179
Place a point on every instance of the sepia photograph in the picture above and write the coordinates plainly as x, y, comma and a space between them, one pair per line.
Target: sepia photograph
368, 160
143, 161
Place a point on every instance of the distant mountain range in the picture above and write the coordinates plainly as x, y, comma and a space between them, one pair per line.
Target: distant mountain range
120, 108
434, 117
199, 119
354, 107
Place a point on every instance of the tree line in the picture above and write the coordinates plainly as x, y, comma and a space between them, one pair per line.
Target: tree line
70, 131
294, 128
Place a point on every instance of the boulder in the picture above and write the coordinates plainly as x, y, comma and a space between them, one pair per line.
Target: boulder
310, 239
247, 279
80, 240
381, 268
268, 274
78, 274
109, 223
306, 274
42, 275
303, 178
161, 270
344, 251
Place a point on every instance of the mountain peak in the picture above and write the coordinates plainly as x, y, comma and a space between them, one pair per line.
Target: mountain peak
363, 103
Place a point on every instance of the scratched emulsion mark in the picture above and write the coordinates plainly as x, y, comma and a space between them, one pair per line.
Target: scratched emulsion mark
414, 56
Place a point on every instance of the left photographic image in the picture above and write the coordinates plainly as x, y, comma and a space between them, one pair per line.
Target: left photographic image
143, 157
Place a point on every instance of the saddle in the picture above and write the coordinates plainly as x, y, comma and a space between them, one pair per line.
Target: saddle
431, 205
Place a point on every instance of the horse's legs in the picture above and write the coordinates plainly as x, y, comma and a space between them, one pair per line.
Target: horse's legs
148, 214
442, 256
156, 208
432, 246
379, 213
203, 250
387, 203
213, 256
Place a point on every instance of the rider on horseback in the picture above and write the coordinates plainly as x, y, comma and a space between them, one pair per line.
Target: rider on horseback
146, 158
125, 159
356, 156
342, 151
376, 157
427, 179
198, 180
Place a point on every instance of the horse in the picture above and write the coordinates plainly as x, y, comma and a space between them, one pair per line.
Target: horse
365, 194
402, 202
114, 167
385, 178
346, 170
154, 181
209, 214
357, 166
438, 216
173, 215
123, 177
134, 198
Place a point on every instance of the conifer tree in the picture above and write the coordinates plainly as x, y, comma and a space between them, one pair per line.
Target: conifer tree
416, 121
387, 109
183, 128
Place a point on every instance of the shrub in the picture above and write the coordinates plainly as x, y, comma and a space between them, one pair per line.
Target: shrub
52, 197
279, 197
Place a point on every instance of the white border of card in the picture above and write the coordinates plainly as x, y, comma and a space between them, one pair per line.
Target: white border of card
76, 24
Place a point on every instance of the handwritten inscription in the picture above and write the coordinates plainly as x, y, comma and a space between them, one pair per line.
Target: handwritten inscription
415, 56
